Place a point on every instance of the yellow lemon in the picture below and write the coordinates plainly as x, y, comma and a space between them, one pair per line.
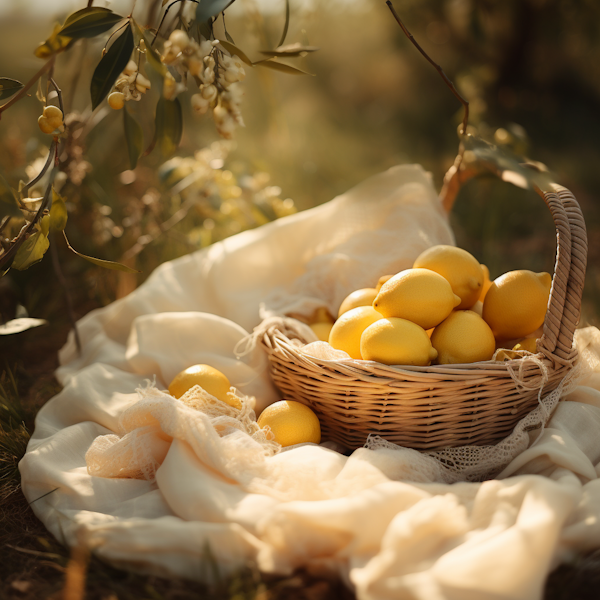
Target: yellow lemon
346, 331
528, 344
322, 330
418, 295
478, 308
460, 268
464, 337
382, 280
486, 282
516, 303
291, 423
208, 378
358, 298
322, 315
396, 341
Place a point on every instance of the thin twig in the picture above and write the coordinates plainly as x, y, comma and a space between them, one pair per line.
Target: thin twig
43, 496
59, 94
26, 87
63, 282
30, 184
7, 258
439, 69
165, 16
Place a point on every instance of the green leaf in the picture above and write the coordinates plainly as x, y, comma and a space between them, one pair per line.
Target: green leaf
8, 87
169, 125
282, 67
210, 8
151, 54
133, 136
8, 204
55, 43
205, 29
90, 22
19, 325
105, 264
31, 251
290, 50
58, 212
235, 50
287, 22
111, 66
481, 156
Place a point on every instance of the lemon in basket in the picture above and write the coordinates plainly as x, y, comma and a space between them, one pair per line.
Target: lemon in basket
291, 423
464, 337
346, 331
516, 303
528, 344
358, 298
486, 282
460, 268
382, 280
322, 330
418, 295
396, 341
208, 378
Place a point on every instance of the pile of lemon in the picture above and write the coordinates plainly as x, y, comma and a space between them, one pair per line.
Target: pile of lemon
445, 310
288, 422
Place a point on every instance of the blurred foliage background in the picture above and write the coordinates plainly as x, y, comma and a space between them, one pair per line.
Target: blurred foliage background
530, 68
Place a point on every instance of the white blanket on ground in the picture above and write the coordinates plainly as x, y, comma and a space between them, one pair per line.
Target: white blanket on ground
390, 529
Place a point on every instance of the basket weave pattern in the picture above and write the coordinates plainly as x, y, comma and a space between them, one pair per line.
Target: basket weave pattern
442, 406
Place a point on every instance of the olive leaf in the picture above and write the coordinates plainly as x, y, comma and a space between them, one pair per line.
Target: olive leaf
151, 54
110, 66
58, 212
229, 38
22, 324
8, 87
290, 50
106, 264
89, 22
481, 156
169, 125
205, 28
207, 9
31, 251
133, 136
55, 43
232, 49
282, 67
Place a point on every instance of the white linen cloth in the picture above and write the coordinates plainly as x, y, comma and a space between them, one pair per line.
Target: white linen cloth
389, 527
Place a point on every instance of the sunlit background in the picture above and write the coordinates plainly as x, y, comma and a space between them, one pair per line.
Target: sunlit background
530, 68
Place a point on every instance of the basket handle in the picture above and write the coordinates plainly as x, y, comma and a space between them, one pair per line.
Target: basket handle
564, 305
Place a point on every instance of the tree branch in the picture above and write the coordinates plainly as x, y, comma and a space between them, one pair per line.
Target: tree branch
439, 69
26, 87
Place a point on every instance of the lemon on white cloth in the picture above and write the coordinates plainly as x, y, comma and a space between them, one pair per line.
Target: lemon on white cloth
291, 423
418, 295
346, 331
459, 267
516, 303
396, 341
208, 378
464, 337
363, 297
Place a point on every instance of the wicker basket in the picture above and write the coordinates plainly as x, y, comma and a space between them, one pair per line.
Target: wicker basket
442, 405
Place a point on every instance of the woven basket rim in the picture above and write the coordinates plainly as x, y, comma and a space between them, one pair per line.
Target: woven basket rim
360, 365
